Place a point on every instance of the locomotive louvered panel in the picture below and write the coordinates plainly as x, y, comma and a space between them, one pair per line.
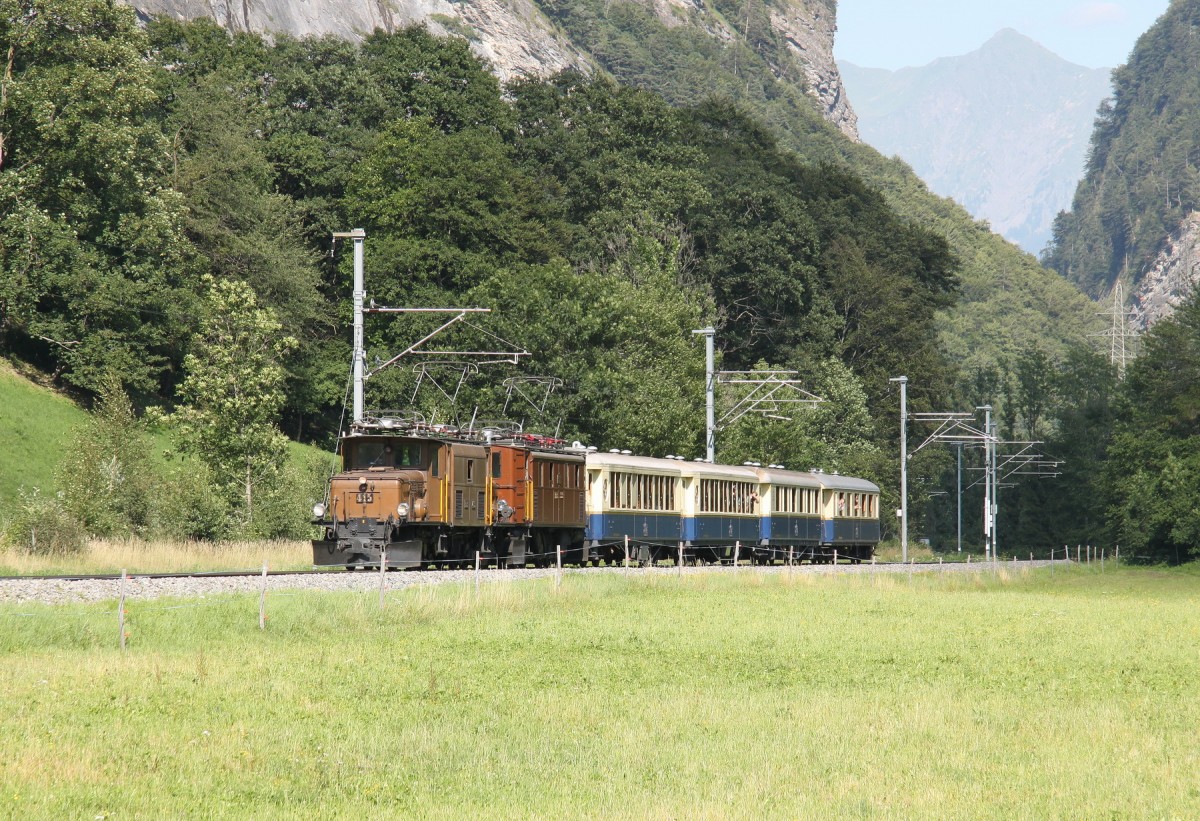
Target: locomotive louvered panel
479, 510
458, 505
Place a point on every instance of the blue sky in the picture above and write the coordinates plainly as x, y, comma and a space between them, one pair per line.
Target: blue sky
897, 33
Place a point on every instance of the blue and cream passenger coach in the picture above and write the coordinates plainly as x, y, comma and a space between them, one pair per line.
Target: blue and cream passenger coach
791, 508
663, 505
850, 513
634, 496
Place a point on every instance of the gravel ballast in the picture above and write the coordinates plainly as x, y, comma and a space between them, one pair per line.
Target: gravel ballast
17, 590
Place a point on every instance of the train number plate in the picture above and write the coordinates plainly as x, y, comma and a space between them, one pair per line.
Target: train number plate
365, 498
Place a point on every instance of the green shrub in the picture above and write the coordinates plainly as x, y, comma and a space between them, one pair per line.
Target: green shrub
188, 505
107, 474
42, 524
284, 507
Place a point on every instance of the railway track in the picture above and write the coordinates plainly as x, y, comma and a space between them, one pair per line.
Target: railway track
83, 588
436, 571
198, 574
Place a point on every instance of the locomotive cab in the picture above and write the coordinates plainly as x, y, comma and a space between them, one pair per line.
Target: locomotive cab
387, 484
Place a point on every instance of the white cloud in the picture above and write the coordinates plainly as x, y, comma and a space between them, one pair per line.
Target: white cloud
1090, 15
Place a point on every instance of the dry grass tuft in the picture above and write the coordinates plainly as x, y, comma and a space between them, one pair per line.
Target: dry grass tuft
160, 556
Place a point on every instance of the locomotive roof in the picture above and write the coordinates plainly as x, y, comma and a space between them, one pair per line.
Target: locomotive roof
452, 436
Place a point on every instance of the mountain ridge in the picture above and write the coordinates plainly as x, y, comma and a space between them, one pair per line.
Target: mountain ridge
782, 71
1133, 217
519, 38
1002, 129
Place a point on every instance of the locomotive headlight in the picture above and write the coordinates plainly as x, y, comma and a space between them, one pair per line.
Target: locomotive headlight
318, 511
402, 510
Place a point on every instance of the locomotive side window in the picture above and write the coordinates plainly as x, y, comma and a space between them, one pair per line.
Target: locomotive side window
470, 471
434, 466
496, 465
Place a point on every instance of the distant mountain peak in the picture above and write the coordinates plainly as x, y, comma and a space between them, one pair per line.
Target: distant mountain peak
1009, 42
1002, 129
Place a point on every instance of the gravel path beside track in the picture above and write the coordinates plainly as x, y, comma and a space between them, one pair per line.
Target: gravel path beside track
63, 591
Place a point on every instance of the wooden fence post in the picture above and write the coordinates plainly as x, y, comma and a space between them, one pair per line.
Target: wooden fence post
382, 571
121, 609
476, 574
627, 553
558, 566
737, 549
262, 600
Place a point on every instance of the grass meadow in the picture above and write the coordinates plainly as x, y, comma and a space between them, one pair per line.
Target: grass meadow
1006, 695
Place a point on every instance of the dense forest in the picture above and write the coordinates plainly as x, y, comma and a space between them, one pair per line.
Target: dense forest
1007, 300
1143, 170
168, 196
146, 171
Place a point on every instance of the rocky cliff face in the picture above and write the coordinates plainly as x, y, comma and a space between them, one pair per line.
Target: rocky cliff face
809, 29
1171, 278
514, 36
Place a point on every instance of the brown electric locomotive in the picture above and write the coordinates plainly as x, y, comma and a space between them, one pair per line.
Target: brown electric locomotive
433, 495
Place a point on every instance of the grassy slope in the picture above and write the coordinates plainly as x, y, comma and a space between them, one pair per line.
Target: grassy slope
708, 696
35, 426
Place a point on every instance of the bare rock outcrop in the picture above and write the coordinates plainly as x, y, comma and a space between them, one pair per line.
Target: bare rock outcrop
517, 39
1172, 277
513, 35
810, 28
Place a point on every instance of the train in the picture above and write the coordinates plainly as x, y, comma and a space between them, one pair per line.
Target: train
414, 495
